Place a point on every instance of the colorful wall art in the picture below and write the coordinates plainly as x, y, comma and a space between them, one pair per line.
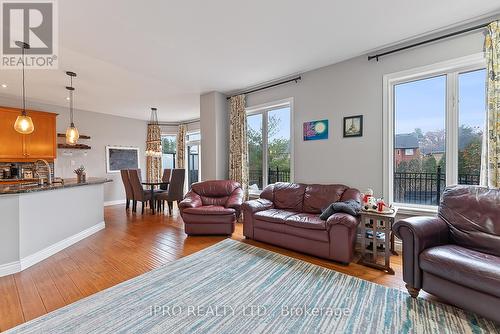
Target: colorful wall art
316, 130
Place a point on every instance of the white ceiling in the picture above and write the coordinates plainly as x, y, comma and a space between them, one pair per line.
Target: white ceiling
130, 55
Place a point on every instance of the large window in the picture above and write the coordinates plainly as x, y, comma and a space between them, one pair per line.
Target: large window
193, 157
435, 116
269, 144
169, 147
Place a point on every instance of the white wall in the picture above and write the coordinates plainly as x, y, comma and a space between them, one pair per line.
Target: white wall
214, 120
352, 87
104, 130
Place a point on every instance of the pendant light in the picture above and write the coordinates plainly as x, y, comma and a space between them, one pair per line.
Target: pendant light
24, 123
153, 142
72, 134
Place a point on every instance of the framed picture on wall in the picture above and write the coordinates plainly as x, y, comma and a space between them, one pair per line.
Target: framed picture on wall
121, 157
316, 130
353, 126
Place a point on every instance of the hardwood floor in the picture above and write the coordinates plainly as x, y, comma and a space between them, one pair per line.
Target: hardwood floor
130, 245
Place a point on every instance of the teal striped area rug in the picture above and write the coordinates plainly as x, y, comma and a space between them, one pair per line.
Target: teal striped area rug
233, 287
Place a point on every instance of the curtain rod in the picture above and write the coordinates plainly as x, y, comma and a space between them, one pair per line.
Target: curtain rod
268, 86
460, 32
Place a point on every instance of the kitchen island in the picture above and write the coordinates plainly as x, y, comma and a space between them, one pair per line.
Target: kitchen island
37, 221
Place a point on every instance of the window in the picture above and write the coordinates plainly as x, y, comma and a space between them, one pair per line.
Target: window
193, 157
436, 116
269, 136
169, 147
193, 136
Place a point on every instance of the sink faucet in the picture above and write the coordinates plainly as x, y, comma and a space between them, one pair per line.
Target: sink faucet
49, 170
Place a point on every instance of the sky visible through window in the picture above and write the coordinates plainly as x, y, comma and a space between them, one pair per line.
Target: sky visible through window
283, 131
422, 103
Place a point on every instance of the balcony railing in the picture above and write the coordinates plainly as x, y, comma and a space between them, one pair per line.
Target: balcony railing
273, 175
425, 188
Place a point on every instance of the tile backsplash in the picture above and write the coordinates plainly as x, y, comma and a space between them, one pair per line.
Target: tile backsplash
7, 167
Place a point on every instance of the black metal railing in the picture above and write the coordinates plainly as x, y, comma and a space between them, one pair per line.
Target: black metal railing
273, 175
425, 188
192, 177
470, 179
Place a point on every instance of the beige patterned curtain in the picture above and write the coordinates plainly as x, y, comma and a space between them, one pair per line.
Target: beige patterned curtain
153, 153
490, 169
181, 147
238, 147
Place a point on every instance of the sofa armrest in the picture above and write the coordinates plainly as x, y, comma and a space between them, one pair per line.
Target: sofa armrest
257, 205
235, 200
342, 229
342, 218
191, 200
249, 208
419, 234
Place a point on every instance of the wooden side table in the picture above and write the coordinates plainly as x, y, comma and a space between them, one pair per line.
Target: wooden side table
377, 240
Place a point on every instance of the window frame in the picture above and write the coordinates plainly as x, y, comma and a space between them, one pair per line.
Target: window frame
407, 150
451, 69
264, 109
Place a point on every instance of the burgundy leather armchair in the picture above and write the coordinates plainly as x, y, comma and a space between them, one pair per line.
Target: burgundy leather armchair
287, 215
456, 255
211, 207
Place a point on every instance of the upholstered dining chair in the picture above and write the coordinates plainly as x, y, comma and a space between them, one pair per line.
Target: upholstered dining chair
167, 172
175, 190
129, 194
140, 194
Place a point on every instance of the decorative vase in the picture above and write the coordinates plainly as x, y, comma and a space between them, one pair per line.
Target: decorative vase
81, 178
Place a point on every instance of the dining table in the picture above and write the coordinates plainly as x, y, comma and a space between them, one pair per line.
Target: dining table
152, 186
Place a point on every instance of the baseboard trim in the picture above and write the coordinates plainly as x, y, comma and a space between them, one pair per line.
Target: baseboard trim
117, 202
28, 261
10, 268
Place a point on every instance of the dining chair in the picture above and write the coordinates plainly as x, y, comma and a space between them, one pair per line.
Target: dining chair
167, 172
140, 194
175, 190
129, 194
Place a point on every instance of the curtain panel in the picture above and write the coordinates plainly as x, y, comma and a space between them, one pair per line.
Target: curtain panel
181, 147
490, 171
238, 147
153, 153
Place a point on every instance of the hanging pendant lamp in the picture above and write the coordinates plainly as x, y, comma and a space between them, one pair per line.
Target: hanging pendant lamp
153, 142
24, 123
72, 134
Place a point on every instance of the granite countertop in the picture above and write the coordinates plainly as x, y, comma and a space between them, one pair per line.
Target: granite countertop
30, 188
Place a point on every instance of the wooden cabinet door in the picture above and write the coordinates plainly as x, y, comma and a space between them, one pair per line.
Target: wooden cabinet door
41, 144
11, 142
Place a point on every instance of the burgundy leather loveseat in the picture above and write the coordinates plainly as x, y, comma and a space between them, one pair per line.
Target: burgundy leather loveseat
211, 207
287, 215
456, 255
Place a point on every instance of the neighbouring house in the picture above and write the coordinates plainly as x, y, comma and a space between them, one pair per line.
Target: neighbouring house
406, 148
438, 153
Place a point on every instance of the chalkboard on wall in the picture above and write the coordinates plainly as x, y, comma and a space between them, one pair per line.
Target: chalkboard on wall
119, 157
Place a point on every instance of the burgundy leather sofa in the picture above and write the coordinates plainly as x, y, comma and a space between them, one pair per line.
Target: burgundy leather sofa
211, 207
287, 215
456, 255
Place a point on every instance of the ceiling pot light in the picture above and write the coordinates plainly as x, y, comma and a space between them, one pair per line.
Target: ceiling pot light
4, 86
72, 134
24, 123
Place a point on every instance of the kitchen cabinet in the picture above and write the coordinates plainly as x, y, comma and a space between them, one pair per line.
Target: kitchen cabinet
40, 144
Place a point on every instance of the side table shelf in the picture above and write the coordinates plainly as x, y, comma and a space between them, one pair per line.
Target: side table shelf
377, 240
